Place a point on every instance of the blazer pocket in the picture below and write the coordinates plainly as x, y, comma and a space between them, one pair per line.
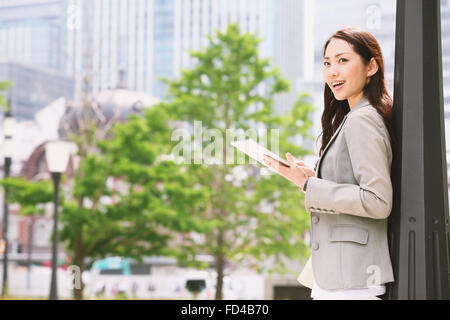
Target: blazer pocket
350, 233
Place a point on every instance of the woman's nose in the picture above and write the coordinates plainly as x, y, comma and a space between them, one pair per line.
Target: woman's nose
333, 71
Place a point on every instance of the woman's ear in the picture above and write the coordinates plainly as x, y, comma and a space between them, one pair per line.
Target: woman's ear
373, 67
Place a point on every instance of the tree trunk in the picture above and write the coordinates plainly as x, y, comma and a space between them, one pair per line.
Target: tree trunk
78, 288
220, 264
78, 292
78, 261
220, 257
30, 250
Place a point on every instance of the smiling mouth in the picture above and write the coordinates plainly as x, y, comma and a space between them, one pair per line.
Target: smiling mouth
338, 86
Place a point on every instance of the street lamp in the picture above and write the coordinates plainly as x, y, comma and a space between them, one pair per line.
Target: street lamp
57, 155
9, 126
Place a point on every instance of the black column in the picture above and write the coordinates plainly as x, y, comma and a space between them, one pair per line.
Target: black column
56, 176
5, 287
419, 222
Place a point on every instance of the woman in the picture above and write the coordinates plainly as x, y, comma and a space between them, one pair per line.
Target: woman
349, 195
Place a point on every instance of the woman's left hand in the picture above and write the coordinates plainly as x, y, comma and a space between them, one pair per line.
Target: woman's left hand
293, 173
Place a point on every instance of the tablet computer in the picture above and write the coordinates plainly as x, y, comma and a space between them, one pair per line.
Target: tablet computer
257, 152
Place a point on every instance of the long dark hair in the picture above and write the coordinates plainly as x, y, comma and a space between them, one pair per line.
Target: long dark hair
365, 45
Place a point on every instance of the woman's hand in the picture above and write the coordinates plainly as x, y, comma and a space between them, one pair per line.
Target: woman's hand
297, 172
308, 171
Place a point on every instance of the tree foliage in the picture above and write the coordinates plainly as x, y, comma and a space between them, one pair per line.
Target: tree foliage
4, 86
125, 200
29, 195
259, 220
131, 196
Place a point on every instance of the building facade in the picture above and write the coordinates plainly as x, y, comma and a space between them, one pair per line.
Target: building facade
33, 87
31, 32
149, 39
152, 39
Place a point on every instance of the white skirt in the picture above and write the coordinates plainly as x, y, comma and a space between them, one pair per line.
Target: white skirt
370, 293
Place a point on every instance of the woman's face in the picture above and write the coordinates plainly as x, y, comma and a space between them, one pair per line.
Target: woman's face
344, 71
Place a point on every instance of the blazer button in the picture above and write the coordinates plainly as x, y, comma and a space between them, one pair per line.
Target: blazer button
315, 219
315, 246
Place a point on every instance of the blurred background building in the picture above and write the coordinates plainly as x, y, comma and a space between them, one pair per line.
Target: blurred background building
34, 87
152, 39
31, 31
148, 39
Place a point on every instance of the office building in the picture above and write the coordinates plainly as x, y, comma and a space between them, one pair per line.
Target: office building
31, 31
33, 87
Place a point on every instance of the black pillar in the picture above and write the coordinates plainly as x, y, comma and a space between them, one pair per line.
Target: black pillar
56, 176
7, 167
419, 222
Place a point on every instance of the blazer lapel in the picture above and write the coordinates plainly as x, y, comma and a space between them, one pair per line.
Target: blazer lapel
362, 103
327, 146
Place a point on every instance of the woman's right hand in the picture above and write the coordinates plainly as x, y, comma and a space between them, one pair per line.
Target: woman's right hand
308, 171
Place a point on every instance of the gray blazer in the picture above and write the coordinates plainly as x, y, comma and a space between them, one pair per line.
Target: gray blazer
350, 200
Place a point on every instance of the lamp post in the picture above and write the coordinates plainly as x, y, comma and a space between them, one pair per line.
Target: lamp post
57, 155
8, 129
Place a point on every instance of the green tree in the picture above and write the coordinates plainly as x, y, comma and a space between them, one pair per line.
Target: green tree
4, 86
122, 200
221, 92
29, 195
135, 216
114, 202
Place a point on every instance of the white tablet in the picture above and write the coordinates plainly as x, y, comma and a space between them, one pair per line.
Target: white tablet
256, 151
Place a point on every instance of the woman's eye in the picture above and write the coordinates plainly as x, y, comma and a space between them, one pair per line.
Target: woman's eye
341, 59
